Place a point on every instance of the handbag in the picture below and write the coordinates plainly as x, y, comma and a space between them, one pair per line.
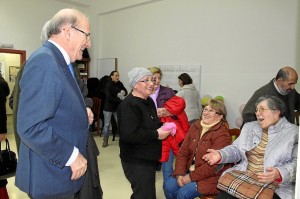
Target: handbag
245, 185
8, 162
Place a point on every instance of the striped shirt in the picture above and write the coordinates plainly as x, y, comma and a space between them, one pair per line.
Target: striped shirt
256, 155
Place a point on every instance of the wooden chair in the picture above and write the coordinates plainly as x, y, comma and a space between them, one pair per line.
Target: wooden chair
234, 133
96, 111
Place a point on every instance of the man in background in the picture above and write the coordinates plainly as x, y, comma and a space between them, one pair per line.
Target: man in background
282, 86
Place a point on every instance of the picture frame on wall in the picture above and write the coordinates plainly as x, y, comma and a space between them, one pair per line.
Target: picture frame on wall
13, 72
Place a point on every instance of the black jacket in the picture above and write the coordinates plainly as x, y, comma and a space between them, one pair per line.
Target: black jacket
4, 92
138, 124
111, 91
290, 100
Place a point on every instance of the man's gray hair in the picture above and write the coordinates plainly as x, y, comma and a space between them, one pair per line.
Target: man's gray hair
44, 34
64, 17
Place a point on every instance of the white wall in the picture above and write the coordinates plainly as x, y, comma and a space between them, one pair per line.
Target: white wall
241, 44
22, 22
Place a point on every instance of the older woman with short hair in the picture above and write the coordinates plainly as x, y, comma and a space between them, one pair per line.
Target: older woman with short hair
140, 134
266, 147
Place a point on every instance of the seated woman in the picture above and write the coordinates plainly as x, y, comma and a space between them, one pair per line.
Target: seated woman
267, 147
192, 176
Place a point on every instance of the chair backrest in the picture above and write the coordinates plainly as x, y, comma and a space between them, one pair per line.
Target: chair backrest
96, 107
234, 133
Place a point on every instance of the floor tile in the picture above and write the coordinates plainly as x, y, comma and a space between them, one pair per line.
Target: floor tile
113, 181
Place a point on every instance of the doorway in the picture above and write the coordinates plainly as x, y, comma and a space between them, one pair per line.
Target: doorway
10, 62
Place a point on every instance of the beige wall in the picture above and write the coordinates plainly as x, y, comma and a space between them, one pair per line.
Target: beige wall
240, 44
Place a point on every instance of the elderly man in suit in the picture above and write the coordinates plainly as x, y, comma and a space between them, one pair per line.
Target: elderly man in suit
53, 121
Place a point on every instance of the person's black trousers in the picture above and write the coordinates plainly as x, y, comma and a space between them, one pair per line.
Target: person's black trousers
142, 180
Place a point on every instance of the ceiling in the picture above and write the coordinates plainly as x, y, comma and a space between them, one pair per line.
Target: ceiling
103, 7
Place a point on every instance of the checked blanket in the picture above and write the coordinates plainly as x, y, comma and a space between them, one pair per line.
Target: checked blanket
245, 185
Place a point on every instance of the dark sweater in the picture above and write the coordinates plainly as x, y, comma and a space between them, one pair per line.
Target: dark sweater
138, 124
269, 89
111, 91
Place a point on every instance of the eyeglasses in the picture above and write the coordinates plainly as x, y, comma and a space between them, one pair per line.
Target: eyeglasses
148, 81
156, 78
262, 109
210, 111
85, 33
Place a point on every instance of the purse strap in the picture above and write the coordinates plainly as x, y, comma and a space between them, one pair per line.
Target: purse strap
7, 145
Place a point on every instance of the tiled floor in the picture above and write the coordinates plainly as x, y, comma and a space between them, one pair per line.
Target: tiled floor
113, 181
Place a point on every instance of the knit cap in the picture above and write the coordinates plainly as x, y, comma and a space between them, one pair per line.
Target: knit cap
136, 74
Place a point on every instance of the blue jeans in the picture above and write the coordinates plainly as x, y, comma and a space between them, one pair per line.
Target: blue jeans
107, 118
173, 191
167, 167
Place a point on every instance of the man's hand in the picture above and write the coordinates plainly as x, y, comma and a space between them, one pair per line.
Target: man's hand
78, 167
90, 115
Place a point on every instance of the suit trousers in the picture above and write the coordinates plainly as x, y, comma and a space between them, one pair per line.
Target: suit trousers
142, 180
72, 196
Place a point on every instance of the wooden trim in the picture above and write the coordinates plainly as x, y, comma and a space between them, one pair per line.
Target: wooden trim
22, 54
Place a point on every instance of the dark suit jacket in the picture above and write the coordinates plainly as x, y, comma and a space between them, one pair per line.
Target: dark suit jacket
52, 119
